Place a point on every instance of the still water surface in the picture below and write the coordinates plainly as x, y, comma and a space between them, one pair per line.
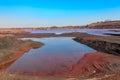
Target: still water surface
99, 32
57, 55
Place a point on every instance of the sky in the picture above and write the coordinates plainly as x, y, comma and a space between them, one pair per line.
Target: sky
47, 13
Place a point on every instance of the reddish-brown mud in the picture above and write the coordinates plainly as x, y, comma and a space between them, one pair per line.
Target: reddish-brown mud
94, 65
90, 65
19, 52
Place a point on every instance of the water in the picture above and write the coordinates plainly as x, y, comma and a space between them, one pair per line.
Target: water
57, 55
99, 32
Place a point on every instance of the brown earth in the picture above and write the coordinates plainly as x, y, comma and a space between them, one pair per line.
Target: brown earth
101, 66
96, 64
19, 51
41, 35
92, 65
12, 30
6, 35
108, 44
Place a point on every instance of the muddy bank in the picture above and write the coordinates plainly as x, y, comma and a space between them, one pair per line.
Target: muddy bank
92, 65
100, 66
108, 44
18, 50
43, 35
96, 65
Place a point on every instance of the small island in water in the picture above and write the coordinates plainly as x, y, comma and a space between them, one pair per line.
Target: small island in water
90, 52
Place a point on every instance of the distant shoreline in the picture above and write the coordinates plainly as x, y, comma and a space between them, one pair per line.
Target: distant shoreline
97, 25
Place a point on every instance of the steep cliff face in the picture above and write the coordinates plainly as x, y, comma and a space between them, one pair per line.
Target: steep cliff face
109, 44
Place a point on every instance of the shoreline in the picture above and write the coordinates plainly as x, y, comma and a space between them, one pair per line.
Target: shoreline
92, 41
18, 53
88, 67
98, 66
107, 44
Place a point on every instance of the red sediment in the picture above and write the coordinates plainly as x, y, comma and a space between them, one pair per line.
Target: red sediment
89, 65
19, 52
92, 64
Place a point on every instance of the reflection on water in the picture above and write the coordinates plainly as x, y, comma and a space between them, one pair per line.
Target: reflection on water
57, 55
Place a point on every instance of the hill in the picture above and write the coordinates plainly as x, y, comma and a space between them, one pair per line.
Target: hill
104, 25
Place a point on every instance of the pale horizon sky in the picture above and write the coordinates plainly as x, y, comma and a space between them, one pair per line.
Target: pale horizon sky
46, 13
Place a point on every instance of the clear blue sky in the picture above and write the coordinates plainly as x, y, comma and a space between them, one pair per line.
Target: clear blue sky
40, 13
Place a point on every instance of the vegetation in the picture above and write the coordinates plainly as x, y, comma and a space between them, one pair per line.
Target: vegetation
105, 24
7, 45
10, 46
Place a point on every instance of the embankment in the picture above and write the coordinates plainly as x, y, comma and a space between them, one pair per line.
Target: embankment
96, 65
103, 66
12, 49
108, 44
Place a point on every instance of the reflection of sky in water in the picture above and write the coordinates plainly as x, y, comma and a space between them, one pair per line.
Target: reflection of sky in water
89, 31
57, 55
